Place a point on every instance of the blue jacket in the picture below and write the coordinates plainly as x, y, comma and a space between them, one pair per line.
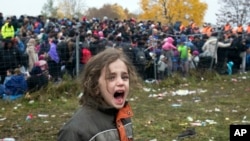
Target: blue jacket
16, 85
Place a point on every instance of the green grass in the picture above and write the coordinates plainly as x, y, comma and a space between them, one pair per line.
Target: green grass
226, 101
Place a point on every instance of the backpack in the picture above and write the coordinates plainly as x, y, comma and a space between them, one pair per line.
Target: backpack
140, 57
62, 50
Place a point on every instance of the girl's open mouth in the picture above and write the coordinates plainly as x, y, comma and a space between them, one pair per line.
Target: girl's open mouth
119, 97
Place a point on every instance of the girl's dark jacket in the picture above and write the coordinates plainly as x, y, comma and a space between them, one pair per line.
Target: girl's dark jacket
91, 124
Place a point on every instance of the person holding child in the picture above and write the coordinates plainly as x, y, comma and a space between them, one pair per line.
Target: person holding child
104, 115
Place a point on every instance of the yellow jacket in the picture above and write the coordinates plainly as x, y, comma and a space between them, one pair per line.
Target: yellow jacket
7, 32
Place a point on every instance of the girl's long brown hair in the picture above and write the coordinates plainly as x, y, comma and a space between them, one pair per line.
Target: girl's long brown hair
92, 72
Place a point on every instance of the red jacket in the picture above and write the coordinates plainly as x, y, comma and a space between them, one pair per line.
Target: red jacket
86, 55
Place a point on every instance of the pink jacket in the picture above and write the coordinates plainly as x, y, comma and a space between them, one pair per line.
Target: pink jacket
168, 45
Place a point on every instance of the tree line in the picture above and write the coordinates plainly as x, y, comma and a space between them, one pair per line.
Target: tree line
164, 11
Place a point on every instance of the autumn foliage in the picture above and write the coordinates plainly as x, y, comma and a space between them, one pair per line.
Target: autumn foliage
170, 11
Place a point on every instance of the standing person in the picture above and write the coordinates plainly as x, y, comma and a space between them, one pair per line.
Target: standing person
7, 29
9, 58
162, 65
32, 54
105, 115
1, 20
140, 60
168, 48
183, 50
209, 48
85, 56
53, 62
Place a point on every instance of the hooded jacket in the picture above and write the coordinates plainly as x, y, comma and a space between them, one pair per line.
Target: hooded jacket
168, 45
16, 85
53, 53
7, 31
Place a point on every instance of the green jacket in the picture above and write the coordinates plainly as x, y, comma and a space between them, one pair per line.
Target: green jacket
183, 51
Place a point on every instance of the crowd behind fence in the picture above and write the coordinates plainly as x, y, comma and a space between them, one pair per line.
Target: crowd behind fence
34, 50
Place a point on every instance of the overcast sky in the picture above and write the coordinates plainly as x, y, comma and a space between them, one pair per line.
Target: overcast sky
34, 7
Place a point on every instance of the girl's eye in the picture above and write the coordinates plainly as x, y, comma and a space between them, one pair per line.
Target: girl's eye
111, 78
125, 77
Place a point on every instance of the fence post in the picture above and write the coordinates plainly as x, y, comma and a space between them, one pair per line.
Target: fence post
77, 52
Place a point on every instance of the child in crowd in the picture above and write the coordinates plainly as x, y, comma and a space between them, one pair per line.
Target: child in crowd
194, 59
9, 74
184, 62
104, 115
176, 60
168, 48
162, 67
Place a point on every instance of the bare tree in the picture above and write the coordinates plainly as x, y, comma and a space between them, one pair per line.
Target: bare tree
72, 8
105, 10
49, 9
111, 11
234, 11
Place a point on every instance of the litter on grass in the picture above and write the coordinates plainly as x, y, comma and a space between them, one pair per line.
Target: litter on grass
42, 115
146, 89
2, 119
176, 105
183, 92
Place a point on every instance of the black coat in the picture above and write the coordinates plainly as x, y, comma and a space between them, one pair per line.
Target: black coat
9, 58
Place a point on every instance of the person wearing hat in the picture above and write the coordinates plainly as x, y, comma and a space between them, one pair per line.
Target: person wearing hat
239, 29
227, 27
204, 28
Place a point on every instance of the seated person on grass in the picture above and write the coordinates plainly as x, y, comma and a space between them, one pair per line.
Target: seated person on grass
36, 80
9, 74
15, 87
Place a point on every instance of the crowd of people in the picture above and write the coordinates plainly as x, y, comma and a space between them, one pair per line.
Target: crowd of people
46, 48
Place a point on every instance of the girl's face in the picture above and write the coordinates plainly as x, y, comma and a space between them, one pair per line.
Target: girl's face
114, 85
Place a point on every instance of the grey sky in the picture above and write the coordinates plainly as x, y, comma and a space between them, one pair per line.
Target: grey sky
34, 7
